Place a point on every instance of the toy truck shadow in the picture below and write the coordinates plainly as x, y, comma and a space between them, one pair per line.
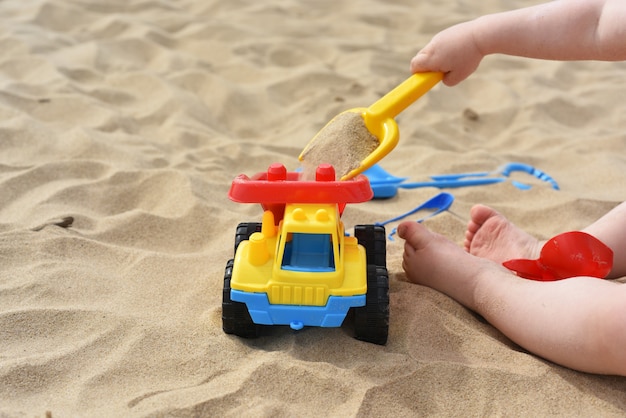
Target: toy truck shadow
298, 267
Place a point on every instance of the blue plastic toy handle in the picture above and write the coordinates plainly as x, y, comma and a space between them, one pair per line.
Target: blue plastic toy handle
459, 176
439, 203
451, 183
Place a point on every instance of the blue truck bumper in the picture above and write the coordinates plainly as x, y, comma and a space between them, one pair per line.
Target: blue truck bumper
297, 316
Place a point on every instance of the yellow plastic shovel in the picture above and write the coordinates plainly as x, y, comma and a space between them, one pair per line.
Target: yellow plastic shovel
379, 117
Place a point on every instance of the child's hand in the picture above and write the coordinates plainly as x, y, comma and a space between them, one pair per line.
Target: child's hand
452, 52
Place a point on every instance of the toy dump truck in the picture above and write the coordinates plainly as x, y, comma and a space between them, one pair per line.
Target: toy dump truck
298, 267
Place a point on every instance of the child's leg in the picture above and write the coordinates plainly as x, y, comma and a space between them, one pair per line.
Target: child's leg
611, 230
578, 322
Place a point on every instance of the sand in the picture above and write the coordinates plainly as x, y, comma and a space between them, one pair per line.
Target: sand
122, 124
344, 143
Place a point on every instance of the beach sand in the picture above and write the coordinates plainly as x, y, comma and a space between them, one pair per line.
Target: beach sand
122, 125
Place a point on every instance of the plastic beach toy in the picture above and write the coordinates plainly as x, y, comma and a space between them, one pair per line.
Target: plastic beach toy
571, 254
386, 185
434, 205
379, 117
505, 170
298, 266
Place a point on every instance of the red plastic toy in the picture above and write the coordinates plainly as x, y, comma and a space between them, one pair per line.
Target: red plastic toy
276, 187
571, 254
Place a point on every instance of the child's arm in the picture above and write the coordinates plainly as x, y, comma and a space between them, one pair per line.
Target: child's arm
559, 30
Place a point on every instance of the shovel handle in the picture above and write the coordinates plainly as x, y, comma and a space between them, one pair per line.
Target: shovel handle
398, 99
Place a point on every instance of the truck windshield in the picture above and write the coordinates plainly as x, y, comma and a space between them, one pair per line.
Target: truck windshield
309, 252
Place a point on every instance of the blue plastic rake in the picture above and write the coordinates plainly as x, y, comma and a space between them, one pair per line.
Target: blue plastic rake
386, 185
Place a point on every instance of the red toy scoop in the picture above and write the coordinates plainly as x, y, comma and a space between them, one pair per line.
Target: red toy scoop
570, 254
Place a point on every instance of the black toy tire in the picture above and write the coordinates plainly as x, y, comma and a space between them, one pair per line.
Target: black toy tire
235, 316
371, 322
374, 239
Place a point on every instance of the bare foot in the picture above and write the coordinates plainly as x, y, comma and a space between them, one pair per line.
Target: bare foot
490, 235
432, 260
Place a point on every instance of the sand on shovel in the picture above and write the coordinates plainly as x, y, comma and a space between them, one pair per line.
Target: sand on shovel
344, 143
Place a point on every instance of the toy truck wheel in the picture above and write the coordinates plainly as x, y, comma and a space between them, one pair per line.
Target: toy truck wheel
373, 238
235, 316
371, 322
